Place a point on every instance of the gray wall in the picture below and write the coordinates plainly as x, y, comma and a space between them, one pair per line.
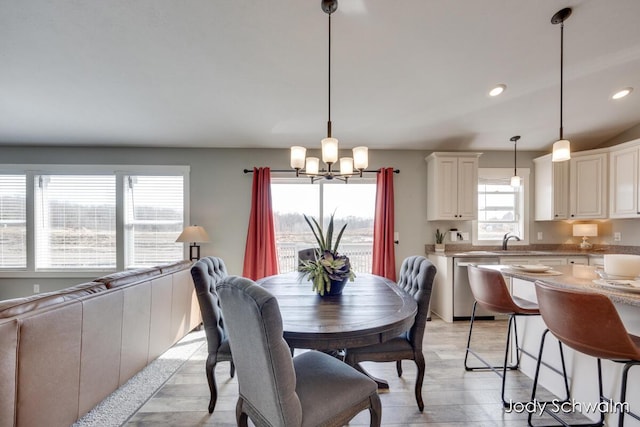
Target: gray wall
628, 135
221, 197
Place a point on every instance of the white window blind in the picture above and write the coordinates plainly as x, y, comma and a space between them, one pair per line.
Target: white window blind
13, 221
154, 218
75, 221
500, 207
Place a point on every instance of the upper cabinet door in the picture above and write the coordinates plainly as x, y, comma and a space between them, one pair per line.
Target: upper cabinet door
588, 186
467, 188
452, 186
551, 189
624, 186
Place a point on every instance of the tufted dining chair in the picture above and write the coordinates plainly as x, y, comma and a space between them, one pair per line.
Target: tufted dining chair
308, 254
206, 273
311, 389
416, 278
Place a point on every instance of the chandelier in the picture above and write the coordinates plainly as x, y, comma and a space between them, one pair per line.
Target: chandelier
310, 166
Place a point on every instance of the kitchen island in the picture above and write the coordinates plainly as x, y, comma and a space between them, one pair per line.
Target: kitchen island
451, 297
581, 368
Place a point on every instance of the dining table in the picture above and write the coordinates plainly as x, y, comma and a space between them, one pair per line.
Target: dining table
370, 310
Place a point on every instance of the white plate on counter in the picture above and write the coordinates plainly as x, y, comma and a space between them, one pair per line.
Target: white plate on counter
620, 285
531, 268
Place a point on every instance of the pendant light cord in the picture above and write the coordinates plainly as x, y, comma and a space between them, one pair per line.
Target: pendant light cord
329, 85
561, 74
515, 173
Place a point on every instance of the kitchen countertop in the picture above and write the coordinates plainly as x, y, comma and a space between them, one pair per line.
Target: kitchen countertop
515, 252
469, 251
575, 277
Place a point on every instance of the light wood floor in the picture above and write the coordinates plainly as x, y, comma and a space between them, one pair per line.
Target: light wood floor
452, 396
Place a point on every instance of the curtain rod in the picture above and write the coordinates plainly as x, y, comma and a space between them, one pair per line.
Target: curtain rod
322, 170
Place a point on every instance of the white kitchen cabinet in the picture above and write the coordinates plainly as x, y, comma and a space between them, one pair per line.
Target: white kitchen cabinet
442, 290
578, 260
624, 182
588, 185
551, 189
452, 186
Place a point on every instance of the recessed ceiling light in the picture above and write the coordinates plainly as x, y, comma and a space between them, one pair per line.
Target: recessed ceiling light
497, 90
622, 93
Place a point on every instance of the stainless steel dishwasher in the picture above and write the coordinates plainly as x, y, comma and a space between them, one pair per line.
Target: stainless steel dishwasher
462, 297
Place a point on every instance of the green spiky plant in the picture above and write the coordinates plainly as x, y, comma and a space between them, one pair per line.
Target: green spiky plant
328, 265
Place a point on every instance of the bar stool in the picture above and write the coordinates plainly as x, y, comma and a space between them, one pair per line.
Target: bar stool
491, 293
597, 332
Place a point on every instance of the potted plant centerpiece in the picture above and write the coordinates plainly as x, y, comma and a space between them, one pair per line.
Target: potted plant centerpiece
330, 271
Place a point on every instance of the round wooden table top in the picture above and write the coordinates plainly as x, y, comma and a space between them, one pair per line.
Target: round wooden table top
370, 310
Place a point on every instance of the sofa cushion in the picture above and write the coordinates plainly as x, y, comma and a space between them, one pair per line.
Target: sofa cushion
176, 266
49, 366
16, 306
8, 354
100, 348
130, 276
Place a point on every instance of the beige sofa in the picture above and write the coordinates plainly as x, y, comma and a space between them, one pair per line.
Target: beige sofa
63, 352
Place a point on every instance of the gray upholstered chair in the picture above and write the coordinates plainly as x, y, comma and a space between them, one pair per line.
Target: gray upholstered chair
206, 274
306, 255
312, 389
416, 278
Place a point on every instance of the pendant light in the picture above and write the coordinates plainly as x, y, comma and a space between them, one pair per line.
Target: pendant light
515, 179
562, 147
310, 166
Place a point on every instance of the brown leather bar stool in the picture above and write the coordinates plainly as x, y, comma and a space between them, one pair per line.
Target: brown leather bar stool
491, 293
597, 331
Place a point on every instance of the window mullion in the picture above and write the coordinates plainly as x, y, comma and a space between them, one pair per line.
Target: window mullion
120, 236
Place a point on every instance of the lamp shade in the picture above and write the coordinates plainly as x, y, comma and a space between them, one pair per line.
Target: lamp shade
193, 233
561, 151
346, 165
515, 181
313, 165
297, 157
361, 158
585, 230
329, 150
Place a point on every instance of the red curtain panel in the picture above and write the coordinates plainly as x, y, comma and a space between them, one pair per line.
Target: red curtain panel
384, 255
260, 256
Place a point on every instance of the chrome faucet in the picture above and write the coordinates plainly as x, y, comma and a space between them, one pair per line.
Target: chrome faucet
506, 238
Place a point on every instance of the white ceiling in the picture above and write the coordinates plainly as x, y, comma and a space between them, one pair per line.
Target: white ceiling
407, 74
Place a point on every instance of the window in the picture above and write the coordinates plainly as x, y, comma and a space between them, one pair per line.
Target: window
501, 208
154, 217
75, 221
13, 221
80, 218
353, 203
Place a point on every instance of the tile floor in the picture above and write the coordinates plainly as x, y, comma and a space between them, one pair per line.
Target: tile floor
452, 396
